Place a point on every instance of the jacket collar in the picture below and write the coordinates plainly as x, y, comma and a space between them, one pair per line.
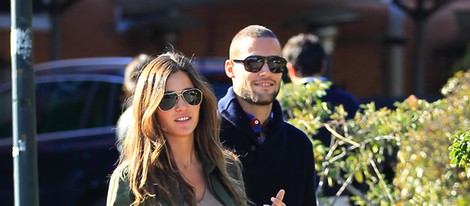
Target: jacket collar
231, 110
216, 186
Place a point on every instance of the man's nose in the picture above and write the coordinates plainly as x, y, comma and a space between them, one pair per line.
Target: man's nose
265, 69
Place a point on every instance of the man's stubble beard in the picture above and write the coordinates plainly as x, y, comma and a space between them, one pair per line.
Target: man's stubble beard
253, 98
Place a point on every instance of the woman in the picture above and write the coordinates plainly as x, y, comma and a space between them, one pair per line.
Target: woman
172, 154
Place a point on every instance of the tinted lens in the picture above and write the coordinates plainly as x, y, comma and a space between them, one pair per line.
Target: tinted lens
276, 64
254, 63
192, 96
168, 101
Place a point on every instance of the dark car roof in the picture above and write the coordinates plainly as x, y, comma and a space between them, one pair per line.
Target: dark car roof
109, 66
84, 65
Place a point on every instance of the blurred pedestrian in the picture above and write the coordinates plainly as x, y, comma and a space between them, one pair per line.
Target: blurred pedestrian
131, 74
306, 61
172, 154
274, 153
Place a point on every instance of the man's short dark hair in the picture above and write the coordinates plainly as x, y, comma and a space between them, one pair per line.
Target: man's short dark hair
305, 53
252, 31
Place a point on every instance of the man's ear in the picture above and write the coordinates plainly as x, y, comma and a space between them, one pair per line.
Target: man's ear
229, 68
291, 70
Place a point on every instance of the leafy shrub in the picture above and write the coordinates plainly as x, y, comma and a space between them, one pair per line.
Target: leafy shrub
460, 151
426, 176
423, 131
358, 145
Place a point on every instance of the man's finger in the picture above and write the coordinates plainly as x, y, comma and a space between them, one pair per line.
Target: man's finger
280, 194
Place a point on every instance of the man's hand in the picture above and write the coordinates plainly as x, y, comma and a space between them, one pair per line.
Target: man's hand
277, 201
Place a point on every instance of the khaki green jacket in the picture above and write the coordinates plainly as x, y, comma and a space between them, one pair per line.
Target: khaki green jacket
119, 192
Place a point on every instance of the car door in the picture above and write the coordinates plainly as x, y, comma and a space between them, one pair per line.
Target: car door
76, 114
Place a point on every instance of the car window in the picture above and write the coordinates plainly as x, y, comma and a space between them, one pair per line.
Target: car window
69, 105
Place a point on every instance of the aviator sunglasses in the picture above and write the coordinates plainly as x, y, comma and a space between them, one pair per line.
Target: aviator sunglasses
191, 96
254, 63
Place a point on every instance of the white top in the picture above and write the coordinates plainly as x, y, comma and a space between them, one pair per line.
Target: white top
208, 200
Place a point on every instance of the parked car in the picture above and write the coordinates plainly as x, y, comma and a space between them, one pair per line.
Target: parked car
78, 102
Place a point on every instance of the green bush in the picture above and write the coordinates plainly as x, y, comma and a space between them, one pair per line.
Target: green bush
460, 151
425, 175
358, 145
423, 132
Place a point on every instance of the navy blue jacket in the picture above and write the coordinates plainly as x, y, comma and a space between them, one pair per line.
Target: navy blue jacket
284, 161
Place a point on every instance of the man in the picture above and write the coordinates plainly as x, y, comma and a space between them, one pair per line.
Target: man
306, 60
275, 155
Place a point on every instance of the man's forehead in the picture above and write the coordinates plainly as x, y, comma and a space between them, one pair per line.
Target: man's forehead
249, 46
240, 45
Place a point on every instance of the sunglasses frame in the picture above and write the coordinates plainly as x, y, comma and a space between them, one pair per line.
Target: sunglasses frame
278, 68
181, 94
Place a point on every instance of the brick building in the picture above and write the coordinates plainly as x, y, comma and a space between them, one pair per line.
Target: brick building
361, 54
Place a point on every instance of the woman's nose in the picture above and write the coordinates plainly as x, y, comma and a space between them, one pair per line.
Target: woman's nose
181, 104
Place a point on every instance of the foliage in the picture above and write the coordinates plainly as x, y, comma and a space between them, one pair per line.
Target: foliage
358, 145
460, 151
423, 131
425, 176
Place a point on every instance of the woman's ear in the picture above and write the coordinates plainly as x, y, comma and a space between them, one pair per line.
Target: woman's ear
229, 68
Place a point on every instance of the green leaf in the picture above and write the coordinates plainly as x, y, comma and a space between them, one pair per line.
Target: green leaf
359, 177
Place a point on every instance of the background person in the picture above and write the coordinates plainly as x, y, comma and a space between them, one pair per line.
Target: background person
274, 153
306, 61
131, 75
